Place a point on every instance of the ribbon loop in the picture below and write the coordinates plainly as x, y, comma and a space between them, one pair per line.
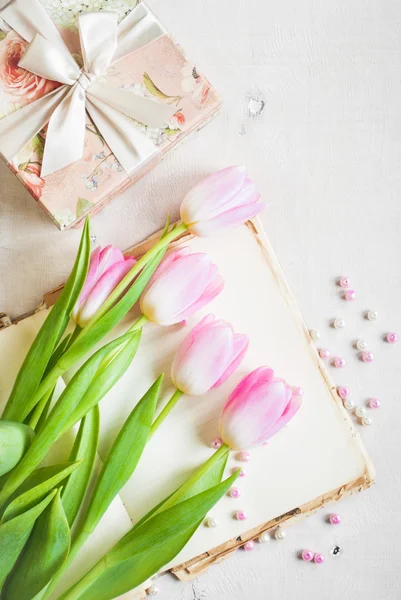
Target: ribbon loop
103, 43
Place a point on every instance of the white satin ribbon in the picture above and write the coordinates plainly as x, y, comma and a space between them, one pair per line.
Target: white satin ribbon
112, 109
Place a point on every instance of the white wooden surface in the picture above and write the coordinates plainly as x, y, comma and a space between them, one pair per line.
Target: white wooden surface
326, 154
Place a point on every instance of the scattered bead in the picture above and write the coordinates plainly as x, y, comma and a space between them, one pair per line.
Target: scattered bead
349, 404
280, 534
241, 515
248, 546
264, 537
324, 353
335, 550
216, 443
153, 590
360, 412
343, 392
183, 322
235, 492
335, 519
345, 282
339, 323
374, 403
392, 338
350, 295
338, 362
315, 334
368, 357
372, 315
319, 558
307, 555
361, 345
297, 391
244, 456
211, 522
367, 421
242, 473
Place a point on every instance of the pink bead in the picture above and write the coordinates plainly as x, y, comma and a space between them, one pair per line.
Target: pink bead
350, 295
374, 403
216, 443
324, 353
184, 322
368, 357
297, 391
392, 338
339, 362
307, 555
241, 515
242, 473
244, 456
249, 545
343, 392
345, 282
319, 558
335, 519
235, 492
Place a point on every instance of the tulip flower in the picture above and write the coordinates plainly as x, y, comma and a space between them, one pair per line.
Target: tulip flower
208, 356
259, 407
181, 285
107, 268
225, 199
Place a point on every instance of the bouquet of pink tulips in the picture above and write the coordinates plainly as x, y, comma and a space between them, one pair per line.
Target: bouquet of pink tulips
39, 504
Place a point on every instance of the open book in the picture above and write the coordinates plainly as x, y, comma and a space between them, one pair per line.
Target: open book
284, 478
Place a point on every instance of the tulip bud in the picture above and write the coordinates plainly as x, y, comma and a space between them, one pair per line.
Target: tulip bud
259, 407
107, 268
181, 285
225, 199
208, 356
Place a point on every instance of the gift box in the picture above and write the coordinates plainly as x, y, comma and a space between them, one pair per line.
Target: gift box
155, 73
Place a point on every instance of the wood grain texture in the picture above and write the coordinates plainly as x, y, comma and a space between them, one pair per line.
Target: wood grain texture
326, 153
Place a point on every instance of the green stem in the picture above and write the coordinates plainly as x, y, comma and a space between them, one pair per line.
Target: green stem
39, 408
142, 262
165, 412
139, 323
82, 585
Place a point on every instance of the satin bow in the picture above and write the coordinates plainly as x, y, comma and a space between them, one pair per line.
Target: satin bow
112, 109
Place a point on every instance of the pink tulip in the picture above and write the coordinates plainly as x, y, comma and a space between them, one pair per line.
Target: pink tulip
259, 407
182, 284
107, 268
225, 199
208, 356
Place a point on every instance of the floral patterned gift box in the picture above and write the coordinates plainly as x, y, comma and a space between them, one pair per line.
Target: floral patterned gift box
158, 70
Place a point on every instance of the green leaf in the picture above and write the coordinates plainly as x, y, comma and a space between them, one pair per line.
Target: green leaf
83, 206
57, 354
36, 361
85, 447
15, 439
45, 552
153, 89
38, 146
40, 475
171, 132
123, 456
15, 533
83, 392
2, 35
34, 495
147, 548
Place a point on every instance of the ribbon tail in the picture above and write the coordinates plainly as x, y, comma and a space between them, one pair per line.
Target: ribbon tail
129, 145
65, 135
18, 128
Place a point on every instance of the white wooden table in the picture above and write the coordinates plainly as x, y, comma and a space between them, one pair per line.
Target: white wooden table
326, 153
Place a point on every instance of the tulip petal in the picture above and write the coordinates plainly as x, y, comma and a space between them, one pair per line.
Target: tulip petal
102, 289
187, 343
213, 290
291, 409
240, 347
212, 193
231, 218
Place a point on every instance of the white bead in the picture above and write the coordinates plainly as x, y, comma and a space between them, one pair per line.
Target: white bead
360, 412
264, 537
348, 404
211, 522
367, 421
339, 323
153, 590
372, 315
280, 534
361, 345
315, 334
